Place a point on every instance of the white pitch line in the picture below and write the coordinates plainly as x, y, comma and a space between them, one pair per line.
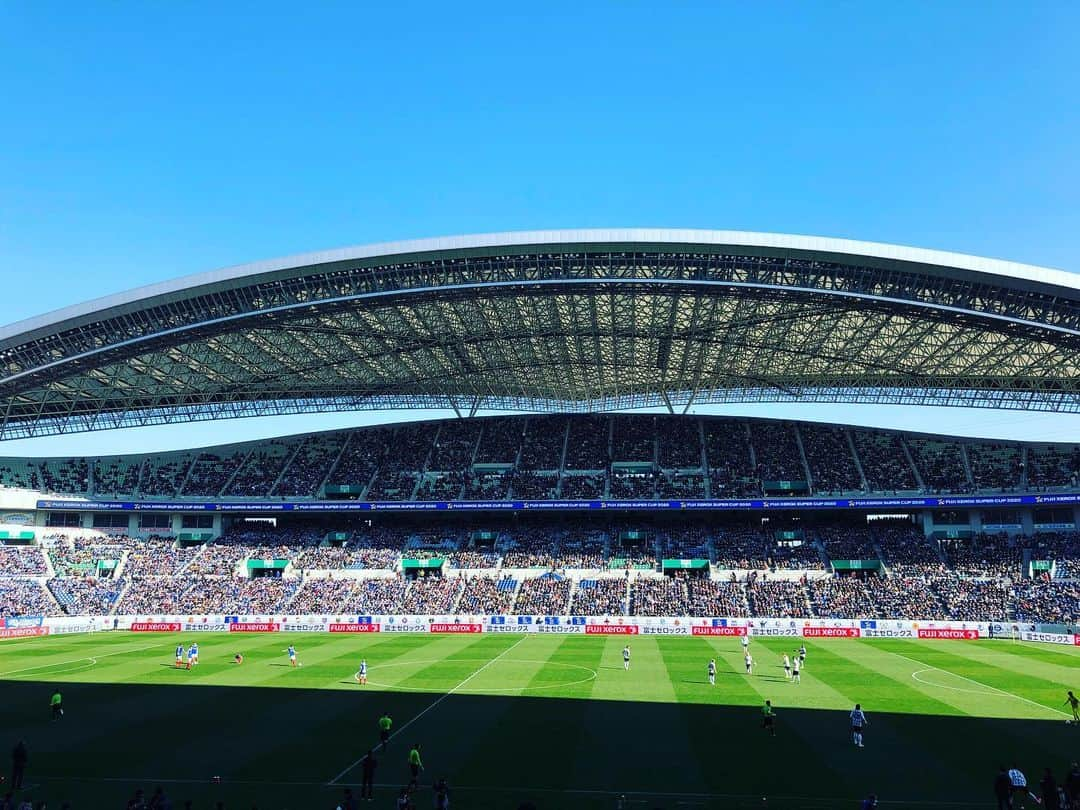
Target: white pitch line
439, 700
977, 683
75, 661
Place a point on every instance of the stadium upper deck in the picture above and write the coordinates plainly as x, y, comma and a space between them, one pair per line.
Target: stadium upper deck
568, 321
625, 456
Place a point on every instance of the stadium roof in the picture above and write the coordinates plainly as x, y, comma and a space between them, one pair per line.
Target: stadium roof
553, 320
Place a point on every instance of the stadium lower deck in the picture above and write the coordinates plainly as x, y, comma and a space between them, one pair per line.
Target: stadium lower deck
556, 721
887, 569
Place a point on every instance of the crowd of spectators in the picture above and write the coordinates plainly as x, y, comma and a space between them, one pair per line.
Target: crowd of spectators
841, 598
432, 594
377, 596
587, 445
311, 465
487, 595
828, 454
794, 556
782, 598
80, 596
1051, 467
158, 556
777, 452
543, 596
260, 470
321, 595
972, 600
528, 485
984, 555
600, 597
994, 467
582, 487
149, 595
633, 485
22, 561
906, 596
236, 595
740, 549
1040, 601
884, 462
707, 597
848, 543
941, 464
658, 596
542, 448
25, 597
210, 473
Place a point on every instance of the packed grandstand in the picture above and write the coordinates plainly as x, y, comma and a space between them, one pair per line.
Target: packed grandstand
787, 564
568, 511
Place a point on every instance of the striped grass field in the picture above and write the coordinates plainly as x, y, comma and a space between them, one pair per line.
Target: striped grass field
554, 720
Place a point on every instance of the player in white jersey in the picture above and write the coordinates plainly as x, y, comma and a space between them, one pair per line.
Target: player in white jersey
626, 657
787, 667
795, 665
712, 672
361, 674
858, 722
749, 661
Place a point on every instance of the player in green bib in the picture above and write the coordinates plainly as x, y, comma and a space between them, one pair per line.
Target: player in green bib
384, 729
767, 717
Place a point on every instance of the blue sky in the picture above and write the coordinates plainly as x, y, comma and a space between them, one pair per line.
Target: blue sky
142, 141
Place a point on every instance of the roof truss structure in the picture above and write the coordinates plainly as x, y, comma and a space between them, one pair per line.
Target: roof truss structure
561, 327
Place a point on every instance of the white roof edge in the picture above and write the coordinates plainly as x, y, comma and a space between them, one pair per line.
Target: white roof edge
674, 236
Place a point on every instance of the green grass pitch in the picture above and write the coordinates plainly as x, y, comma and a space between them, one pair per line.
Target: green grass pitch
551, 719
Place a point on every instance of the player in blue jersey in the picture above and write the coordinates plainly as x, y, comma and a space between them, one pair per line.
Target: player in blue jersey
179, 655
192, 656
195, 647
361, 674
292, 655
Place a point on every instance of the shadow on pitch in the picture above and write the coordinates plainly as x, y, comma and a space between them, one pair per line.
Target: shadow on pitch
277, 748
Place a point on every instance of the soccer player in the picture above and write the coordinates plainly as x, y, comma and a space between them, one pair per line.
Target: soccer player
192, 656
767, 717
712, 672
802, 655
415, 764
361, 674
238, 658
626, 657
384, 729
858, 721
1073, 702
749, 661
195, 647
787, 667
795, 665
56, 703
292, 654
179, 655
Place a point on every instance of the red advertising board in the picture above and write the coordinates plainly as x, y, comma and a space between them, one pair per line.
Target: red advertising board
611, 629
456, 628
718, 631
830, 632
1076, 641
254, 627
156, 627
935, 632
22, 632
353, 628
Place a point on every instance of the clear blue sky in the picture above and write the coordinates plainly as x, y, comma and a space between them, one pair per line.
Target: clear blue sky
141, 141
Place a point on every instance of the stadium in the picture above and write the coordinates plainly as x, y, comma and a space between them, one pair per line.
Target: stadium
539, 582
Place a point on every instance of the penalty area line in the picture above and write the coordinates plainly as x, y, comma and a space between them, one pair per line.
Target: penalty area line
74, 661
436, 703
987, 686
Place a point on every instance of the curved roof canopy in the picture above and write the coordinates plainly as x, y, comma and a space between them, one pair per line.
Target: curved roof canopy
563, 320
